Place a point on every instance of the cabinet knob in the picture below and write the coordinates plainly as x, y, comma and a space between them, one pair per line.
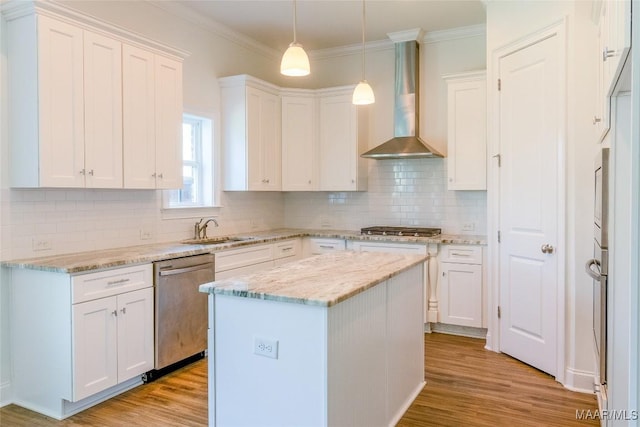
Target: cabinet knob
450, 179
115, 313
596, 120
547, 249
160, 175
91, 172
124, 310
83, 172
353, 181
309, 181
153, 175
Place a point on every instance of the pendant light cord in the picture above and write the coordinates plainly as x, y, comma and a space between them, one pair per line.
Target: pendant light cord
295, 12
363, 25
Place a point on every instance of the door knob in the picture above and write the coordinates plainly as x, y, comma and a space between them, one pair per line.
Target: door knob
547, 248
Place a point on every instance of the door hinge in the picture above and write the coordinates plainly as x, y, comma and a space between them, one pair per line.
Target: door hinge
499, 313
498, 236
499, 84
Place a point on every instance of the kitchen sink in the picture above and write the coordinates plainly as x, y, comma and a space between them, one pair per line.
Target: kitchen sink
214, 240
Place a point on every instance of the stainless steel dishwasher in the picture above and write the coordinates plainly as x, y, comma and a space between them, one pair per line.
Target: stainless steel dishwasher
180, 309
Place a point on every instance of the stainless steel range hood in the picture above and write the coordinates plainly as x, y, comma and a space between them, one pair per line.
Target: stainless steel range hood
406, 144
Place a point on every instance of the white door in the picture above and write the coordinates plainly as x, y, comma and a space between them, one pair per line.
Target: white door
102, 111
338, 143
138, 112
135, 333
168, 117
299, 158
529, 132
61, 103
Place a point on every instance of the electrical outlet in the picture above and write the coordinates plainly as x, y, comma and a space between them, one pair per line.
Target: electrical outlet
145, 234
468, 226
41, 244
265, 347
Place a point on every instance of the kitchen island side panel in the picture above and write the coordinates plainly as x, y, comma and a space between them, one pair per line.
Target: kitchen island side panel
255, 390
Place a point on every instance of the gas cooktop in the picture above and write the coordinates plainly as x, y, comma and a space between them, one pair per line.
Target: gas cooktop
401, 231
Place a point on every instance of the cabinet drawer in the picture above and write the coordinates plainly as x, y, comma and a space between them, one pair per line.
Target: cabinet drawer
463, 254
398, 248
323, 246
87, 287
286, 249
236, 258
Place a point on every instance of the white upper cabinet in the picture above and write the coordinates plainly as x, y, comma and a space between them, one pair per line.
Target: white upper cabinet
613, 18
72, 84
152, 95
250, 134
343, 135
467, 131
299, 143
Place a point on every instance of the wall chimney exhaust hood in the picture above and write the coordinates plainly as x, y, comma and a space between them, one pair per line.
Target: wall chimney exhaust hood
406, 144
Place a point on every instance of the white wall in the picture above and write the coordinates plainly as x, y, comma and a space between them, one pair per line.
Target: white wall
401, 192
506, 23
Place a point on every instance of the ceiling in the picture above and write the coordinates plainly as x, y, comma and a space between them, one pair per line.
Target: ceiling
325, 24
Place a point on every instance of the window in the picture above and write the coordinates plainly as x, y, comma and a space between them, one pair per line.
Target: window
197, 165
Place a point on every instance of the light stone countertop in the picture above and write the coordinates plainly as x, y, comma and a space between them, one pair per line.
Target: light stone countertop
321, 280
109, 258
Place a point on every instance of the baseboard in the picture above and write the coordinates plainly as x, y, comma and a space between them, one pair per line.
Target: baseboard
577, 380
407, 404
465, 331
6, 394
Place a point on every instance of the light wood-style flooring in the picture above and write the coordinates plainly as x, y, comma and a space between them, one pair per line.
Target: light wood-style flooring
466, 386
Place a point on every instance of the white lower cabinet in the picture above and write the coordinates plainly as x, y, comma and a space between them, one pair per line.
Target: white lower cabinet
113, 341
319, 245
461, 286
236, 262
80, 339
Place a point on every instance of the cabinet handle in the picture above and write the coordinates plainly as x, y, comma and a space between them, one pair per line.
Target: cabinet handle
115, 313
353, 181
153, 175
309, 181
117, 282
124, 310
160, 175
91, 172
83, 172
596, 120
326, 247
267, 181
460, 254
606, 53
287, 249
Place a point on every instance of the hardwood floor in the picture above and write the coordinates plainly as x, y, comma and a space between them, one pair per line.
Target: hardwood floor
466, 386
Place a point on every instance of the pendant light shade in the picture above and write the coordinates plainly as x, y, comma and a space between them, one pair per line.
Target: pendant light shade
295, 61
363, 94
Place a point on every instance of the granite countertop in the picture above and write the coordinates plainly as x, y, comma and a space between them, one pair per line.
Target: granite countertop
109, 258
322, 280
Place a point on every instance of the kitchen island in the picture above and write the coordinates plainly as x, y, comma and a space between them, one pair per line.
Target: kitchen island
335, 339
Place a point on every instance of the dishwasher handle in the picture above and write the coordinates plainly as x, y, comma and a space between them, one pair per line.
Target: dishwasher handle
173, 271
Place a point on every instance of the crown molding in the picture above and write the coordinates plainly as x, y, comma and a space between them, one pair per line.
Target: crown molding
351, 49
479, 30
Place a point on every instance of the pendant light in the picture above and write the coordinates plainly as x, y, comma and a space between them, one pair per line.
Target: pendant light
363, 94
295, 61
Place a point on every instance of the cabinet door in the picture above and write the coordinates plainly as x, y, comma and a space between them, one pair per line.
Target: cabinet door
138, 109
299, 158
263, 141
135, 333
338, 143
466, 161
102, 111
60, 104
168, 79
461, 294
95, 365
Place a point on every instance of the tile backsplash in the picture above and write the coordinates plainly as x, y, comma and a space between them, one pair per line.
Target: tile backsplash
43, 222
402, 193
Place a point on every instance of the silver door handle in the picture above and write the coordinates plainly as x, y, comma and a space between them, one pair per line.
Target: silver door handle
547, 248
185, 269
590, 271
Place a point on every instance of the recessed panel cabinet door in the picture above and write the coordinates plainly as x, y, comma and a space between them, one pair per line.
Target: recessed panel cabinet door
338, 150
168, 123
299, 157
60, 104
135, 333
95, 366
139, 126
103, 111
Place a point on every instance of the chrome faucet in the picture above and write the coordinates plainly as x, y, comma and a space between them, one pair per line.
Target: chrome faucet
200, 231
